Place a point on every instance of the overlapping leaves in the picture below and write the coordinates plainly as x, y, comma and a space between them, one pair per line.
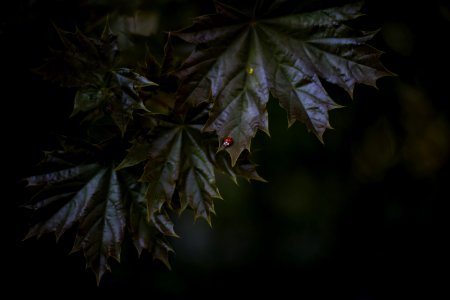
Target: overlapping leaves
241, 56
102, 204
179, 163
91, 66
102, 201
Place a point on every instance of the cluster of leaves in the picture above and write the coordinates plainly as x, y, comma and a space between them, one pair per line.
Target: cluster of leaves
176, 117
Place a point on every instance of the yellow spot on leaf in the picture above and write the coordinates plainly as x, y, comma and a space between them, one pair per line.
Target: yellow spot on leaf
250, 70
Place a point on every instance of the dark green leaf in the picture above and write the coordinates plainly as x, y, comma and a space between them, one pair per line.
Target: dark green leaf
240, 57
97, 204
144, 232
119, 95
95, 198
125, 98
102, 226
243, 168
197, 187
163, 168
138, 153
89, 64
179, 157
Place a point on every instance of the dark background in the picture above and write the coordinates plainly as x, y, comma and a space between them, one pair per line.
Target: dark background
363, 216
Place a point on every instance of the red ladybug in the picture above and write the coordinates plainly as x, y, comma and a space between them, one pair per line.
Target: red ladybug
227, 141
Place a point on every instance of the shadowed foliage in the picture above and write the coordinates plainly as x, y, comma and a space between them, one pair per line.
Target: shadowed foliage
156, 132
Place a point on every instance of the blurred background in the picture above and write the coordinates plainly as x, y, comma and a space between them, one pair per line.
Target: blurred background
363, 216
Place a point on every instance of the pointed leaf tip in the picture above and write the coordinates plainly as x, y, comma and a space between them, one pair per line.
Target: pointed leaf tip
237, 64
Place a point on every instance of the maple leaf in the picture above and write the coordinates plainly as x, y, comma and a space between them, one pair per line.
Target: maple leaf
179, 160
150, 235
100, 202
242, 56
91, 66
244, 167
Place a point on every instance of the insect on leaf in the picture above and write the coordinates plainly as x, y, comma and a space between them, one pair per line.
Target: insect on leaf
242, 56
